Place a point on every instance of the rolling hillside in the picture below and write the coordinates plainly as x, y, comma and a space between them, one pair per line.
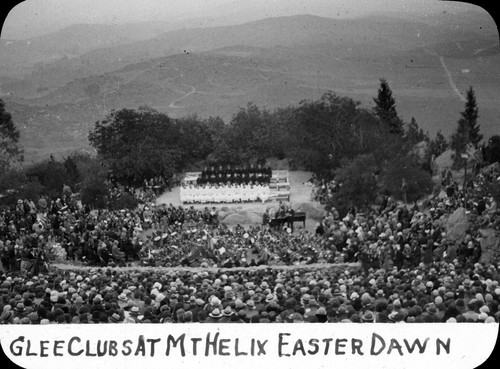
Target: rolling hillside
274, 63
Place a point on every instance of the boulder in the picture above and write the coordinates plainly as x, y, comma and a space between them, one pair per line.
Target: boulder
442, 162
233, 219
222, 215
489, 245
272, 208
457, 225
254, 217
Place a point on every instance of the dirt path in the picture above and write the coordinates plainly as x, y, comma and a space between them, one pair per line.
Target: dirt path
453, 86
173, 104
451, 82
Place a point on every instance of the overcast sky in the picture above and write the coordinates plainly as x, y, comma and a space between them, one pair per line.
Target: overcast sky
36, 17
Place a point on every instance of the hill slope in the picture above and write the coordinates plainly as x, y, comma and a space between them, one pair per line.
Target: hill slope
275, 63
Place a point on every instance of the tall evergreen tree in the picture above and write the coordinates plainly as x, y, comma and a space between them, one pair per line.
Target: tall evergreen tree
467, 131
414, 134
10, 151
470, 115
385, 109
438, 145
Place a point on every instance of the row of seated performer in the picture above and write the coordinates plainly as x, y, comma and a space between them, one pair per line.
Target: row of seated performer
224, 193
237, 174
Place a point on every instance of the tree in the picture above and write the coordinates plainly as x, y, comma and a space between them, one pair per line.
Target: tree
72, 173
326, 131
467, 132
359, 186
196, 139
51, 174
94, 192
435, 147
138, 144
93, 189
222, 152
438, 145
249, 133
470, 116
10, 151
419, 182
385, 109
414, 134
15, 185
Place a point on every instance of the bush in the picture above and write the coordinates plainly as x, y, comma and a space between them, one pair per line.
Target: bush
359, 186
94, 193
419, 181
14, 185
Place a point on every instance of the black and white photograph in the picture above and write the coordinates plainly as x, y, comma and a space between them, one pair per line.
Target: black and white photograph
195, 162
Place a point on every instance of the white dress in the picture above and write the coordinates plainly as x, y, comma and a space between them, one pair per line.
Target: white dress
195, 195
203, 194
265, 193
210, 194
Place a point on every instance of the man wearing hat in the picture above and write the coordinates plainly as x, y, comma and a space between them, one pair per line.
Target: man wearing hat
431, 313
341, 313
134, 314
250, 310
214, 316
227, 314
198, 306
7, 316
368, 317
19, 310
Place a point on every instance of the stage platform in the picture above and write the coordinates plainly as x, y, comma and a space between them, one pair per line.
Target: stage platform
293, 190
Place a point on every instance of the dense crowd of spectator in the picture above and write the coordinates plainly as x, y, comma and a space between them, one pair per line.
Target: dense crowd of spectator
410, 268
444, 292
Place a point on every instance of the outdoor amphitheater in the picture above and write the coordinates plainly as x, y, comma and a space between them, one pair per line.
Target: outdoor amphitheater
207, 261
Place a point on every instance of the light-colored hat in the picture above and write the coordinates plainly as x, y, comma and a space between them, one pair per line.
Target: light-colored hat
216, 313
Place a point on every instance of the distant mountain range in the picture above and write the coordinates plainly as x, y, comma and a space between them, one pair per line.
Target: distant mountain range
58, 85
